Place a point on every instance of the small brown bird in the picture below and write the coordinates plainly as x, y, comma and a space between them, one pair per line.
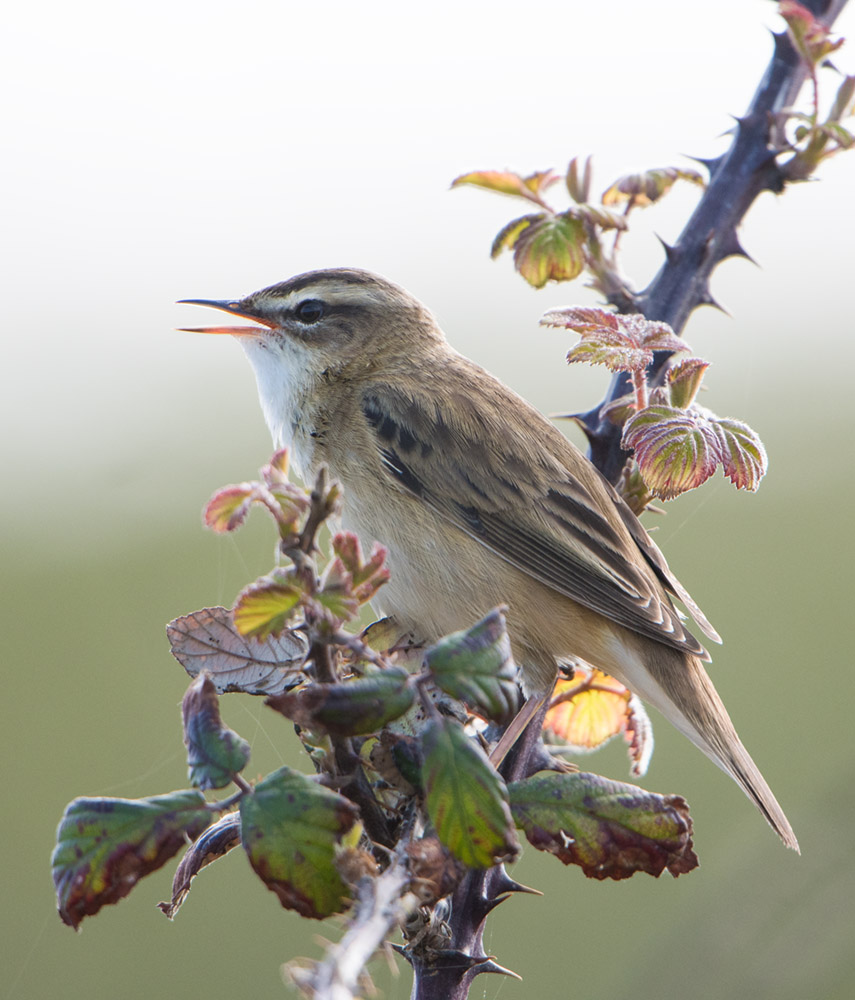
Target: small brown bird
479, 499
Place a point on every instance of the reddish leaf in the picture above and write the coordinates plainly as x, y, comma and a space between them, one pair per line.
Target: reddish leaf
620, 342
676, 450
105, 846
228, 507
611, 830
208, 640
367, 576
743, 456
811, 38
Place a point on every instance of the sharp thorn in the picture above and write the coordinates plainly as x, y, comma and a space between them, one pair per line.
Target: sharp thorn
671, 252
706, 299
490, 966
401, 950
709, 163
501, 882
731, 247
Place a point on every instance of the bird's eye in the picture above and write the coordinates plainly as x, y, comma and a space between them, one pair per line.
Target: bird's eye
309, 311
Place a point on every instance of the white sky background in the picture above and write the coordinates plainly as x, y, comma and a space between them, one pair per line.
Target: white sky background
189, 149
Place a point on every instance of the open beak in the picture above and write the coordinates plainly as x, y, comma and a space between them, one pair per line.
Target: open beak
236, 309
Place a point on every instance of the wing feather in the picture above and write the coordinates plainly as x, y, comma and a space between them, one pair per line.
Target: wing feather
546, 511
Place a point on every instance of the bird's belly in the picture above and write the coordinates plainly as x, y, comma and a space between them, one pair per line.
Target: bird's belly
442, 580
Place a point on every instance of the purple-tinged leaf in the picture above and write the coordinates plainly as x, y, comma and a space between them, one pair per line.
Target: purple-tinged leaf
645, 188
290, 827
264, 608
352, 708
367, 576
620, 342
811, 38
579, 187
842, 106
215, 753
213, 843
105, 846
743, 456
597, 215
676, 450
684, 381
550, 249
228, 507
208, 640
610, 829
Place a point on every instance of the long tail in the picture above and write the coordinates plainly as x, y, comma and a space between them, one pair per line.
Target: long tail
684, 694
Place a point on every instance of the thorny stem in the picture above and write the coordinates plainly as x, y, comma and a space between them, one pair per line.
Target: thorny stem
748, 168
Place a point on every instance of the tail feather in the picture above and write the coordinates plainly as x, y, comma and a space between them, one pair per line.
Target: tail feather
678, 686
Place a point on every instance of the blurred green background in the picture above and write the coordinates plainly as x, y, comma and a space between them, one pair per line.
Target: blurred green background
189, 149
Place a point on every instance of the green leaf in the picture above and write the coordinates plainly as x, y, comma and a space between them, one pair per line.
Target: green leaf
208, 640
508, 235
290, 826
215, 754
466, 800
610, 829
105, 846
476, 667
264, 608
354, 708
550, 249
684, 381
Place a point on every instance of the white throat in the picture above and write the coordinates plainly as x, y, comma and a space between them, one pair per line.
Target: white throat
284, 386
